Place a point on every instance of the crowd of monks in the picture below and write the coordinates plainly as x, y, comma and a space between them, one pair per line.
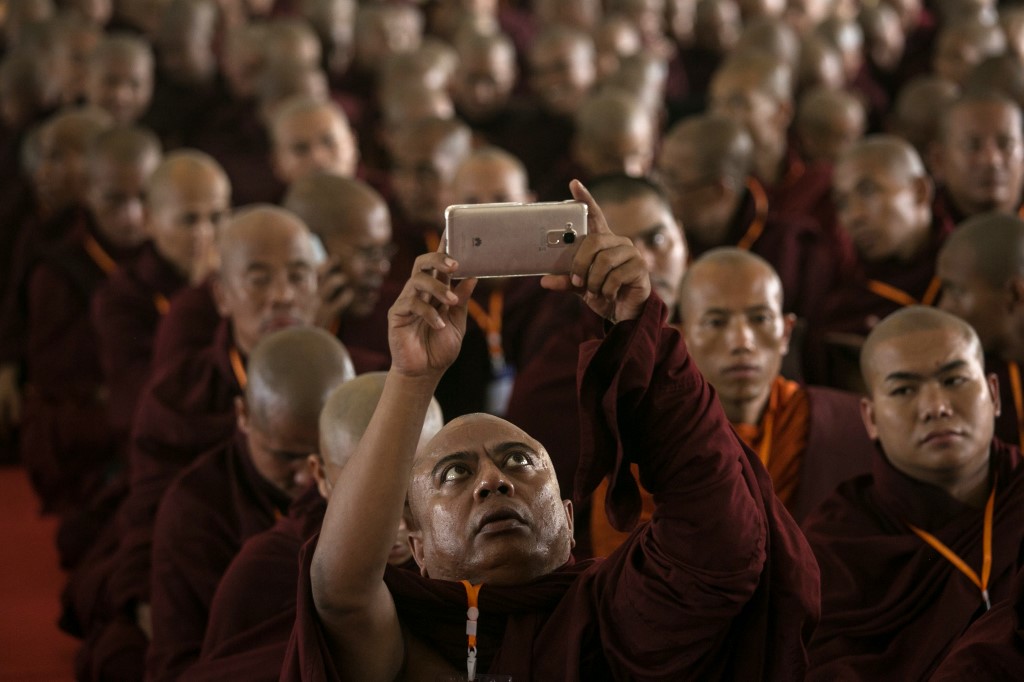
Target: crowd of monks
769, 426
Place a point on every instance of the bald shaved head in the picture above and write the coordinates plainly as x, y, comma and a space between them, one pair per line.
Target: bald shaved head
614, 134
728, 258
253, 223
828, 122
997, 242
890, 152
348, 411
716, 146
912, 320
182, 168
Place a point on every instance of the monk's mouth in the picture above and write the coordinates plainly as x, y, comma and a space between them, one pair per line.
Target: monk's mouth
284, 322
501, 520
742, 371
942, 437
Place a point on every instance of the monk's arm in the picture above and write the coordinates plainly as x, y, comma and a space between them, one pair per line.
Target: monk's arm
366, 504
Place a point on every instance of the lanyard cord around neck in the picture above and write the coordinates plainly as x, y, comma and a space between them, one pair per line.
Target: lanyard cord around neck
1018, 400
238, 367
472, 616
960, 564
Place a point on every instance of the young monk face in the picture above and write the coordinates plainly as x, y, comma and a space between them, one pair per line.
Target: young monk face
649, 223
363, 252
116, 198
279, 445
735, 329
736, 94
930, 404
121, 86
267, 279
885, 213
313, 141
971, 297
183, 219
482, 85
982, 158
60, 179
561, 73
486, 506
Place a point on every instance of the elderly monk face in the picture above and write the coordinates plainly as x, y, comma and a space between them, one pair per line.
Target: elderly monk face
313, 141
122, 86
267, 279
930, 403
884, 211
649, 223
969, 296
279, 445
982, 158
734, 327
486, 506
735, 93
184, 218
116, 198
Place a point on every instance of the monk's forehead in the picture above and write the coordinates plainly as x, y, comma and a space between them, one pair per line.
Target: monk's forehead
472, 433
921, 350
715, 283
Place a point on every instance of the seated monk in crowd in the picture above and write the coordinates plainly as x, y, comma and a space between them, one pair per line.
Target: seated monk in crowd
253, 610
187, 199
238, 489
978, 160
810, 439
67, 443
311, 136
915, 551
120, 77
981, 267
353, 223
266, 281
882, 195
488, 527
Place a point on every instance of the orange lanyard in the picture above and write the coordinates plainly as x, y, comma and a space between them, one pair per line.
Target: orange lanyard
889, 292
238, 368
1018, 399
161, 303
760, 215
490, 322
433, 241
100, 257
951, 556
472, 616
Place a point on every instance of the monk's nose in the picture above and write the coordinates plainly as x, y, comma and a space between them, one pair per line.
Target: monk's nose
934, 403
493, 482
739, 335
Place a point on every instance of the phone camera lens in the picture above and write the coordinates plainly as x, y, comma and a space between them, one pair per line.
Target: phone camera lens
569, 237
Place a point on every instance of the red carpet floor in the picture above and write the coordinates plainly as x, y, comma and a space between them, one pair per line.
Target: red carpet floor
31, 647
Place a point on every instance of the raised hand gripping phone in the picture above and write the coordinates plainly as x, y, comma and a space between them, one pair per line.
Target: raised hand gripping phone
516, 239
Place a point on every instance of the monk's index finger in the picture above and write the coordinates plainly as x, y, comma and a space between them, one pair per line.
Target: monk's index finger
596, 222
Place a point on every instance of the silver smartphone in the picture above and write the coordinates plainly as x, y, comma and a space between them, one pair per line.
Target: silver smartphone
516, 239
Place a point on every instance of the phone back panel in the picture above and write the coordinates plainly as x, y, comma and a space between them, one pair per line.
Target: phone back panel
509, 240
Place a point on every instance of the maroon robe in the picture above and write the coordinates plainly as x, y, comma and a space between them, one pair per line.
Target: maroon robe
891, 605
67, 443
993, 647
662, 606
186, 409
1010, 419
125, 313
852, 309
189, 325
213, 507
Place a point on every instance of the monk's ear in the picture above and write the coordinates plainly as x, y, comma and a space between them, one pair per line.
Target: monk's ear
1015, 291
416, 545
242, 415
867, 415
924, 190
788, 323
319, 474
784, 113
570, 519
993, 388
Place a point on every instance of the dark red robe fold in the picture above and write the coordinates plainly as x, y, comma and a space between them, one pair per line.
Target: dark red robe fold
993, 647
126, 311
662, 607
185, 410
891, 605
1010, 420
189, 325
212, 507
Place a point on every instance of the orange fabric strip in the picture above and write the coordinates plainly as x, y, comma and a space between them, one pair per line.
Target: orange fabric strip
760, 215
473, 602
238, 367
1018, 399
960, 564
433, 241
489, 322
931, 294
161, 304
100, 257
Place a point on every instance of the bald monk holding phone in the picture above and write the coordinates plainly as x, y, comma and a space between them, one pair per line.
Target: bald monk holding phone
490, 531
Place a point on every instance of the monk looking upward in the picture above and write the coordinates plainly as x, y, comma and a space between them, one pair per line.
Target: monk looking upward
940, 487
187, 198
809, 439
485, 508
981, 267
240, 488
253, 609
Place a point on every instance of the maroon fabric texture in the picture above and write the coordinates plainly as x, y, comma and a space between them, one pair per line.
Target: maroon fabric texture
891, 605
185, 410
189, 325
213, 507
125, 318
659, 607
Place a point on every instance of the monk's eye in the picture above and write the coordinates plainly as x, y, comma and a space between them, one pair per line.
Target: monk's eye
954, 381
901, 391
453, 473
518, 459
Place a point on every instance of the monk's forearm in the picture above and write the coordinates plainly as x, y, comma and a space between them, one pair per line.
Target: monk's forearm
368, 499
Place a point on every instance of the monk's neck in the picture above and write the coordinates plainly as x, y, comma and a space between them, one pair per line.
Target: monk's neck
770, 164
972, 490
747, 411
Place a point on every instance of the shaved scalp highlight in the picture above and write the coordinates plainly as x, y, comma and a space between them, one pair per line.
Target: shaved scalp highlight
730, 258
996, 243
327, 202
178, 166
